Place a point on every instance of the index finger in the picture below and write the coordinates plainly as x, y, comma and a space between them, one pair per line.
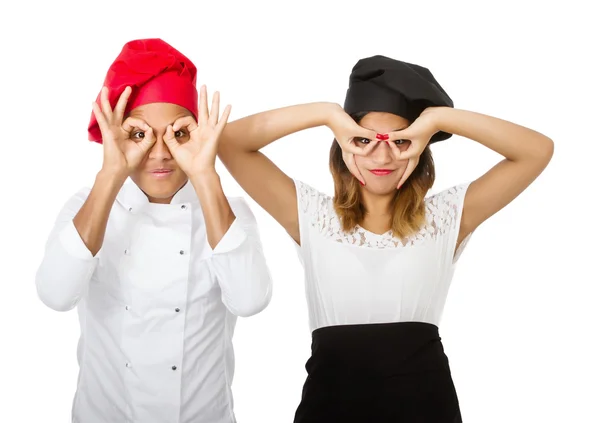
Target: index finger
131, 123
366, 133
185, 122
398, 135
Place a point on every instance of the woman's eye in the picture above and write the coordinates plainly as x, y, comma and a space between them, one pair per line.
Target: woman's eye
399, 142
364, 141
179, 134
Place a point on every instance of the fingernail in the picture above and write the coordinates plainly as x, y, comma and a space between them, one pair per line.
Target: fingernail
400, 187
383, 137
361, 182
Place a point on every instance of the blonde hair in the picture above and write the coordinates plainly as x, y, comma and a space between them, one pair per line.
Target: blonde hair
408, 214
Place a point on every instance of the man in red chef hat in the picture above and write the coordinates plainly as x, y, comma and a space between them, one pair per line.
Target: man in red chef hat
158, 268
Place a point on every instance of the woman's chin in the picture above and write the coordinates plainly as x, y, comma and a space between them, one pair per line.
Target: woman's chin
380, 187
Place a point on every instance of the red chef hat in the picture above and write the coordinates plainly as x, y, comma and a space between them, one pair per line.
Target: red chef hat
156, 72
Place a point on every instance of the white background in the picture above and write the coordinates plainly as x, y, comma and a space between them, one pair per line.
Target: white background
521, 322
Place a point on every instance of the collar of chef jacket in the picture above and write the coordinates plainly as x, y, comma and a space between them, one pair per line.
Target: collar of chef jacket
133, 198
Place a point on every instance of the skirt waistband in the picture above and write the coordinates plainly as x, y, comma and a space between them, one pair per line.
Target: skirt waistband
377, 350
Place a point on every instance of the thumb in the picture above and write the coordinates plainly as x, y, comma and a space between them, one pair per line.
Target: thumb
411, 166
350, 162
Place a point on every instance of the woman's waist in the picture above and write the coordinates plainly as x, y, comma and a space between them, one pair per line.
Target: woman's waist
375, 350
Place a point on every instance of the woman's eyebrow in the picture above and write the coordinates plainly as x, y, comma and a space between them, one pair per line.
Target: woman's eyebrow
393, 130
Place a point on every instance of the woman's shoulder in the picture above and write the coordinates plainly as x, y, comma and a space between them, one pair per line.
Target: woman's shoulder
448, 196
445, 206
310, 198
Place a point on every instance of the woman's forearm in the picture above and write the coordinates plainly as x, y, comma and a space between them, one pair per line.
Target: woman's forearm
253, 132
512, 141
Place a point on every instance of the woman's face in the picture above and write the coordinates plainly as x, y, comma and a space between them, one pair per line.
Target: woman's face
158, 175
379, 168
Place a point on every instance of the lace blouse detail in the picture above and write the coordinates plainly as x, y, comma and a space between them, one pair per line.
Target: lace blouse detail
442, 211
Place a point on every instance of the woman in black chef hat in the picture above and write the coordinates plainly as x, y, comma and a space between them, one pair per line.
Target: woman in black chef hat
379, 255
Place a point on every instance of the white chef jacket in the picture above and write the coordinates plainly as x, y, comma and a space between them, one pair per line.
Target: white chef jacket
157, 307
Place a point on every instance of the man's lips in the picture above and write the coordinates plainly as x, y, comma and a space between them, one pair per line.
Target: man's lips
161, 173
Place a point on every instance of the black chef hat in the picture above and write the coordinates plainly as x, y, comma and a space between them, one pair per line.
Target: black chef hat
381, 84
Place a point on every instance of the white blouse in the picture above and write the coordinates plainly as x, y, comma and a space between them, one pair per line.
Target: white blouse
157, 307
362, 277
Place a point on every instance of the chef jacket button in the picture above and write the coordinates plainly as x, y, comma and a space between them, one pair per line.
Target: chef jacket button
174, 368
127, 307
181, 252
127, 364
183, 207
177, 310
130, 208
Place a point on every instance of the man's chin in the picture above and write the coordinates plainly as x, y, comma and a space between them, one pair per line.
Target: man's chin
161, 191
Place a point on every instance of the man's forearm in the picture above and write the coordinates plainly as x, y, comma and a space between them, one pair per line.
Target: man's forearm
218, 215
92, 219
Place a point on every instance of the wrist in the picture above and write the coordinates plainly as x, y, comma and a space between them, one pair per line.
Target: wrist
111, 178
440, 117
330, 111
204, 176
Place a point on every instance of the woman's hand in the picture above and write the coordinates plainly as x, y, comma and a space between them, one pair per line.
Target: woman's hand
348, 133
417, 135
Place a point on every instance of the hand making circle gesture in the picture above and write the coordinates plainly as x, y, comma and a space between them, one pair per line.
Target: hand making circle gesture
194, 144
124, 148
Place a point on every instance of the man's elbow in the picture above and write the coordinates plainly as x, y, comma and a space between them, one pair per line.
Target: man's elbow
252, 304
53, 301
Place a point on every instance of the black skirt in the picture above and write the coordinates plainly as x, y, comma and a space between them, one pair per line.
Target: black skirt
378, 373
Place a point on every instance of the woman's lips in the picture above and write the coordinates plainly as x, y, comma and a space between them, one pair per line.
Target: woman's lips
381, 172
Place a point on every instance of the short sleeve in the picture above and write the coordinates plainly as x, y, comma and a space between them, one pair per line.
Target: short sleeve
446, 208
310, 204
